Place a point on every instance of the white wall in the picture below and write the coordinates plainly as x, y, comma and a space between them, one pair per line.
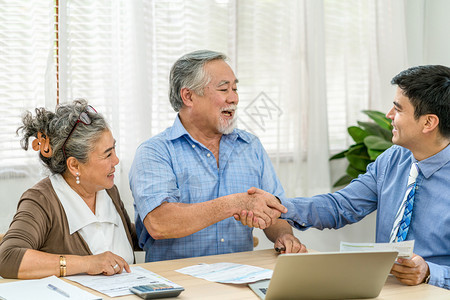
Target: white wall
436, 32
11, 190
428, 43
427, 25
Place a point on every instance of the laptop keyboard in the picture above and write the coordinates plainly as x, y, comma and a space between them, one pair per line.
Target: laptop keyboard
263, 290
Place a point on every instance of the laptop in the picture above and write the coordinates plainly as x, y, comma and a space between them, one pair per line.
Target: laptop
329, 275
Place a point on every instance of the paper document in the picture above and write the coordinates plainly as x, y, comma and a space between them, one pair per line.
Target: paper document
119, 284
404, 249
227, 272
46, 288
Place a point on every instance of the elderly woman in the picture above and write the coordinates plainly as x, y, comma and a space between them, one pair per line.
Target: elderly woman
72, 221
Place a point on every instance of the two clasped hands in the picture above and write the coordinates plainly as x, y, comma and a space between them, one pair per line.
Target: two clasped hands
264, 210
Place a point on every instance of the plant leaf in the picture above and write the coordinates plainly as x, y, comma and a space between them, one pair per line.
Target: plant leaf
343, 180
373, 142
374, 153
375, 129
358, 157
357, 133
379, 118
352, 172
339, 155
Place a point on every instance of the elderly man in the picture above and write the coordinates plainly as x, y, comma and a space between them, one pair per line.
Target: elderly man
414, 207
189, 181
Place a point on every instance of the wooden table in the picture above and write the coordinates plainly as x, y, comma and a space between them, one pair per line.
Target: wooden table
196, 288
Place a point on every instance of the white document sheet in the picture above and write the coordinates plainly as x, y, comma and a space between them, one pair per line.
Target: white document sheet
405, 248
119, 284
39, 289
227, 272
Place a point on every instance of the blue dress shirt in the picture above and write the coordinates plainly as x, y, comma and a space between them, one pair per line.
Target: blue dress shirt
174, 167
382, 188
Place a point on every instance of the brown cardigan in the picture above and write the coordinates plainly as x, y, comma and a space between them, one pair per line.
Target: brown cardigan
40, 223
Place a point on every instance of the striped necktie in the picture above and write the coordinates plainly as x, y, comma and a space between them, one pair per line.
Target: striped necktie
403, 216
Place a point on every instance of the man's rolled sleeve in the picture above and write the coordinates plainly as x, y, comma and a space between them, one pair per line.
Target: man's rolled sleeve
440, 275
149, 194
144, 207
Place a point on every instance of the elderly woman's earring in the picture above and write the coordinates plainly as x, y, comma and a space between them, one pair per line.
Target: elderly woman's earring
78, 178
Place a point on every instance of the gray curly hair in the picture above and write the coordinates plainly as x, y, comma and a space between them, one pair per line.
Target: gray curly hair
188, 72
57, 126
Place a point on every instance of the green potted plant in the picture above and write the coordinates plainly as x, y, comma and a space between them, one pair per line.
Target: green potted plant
371, 139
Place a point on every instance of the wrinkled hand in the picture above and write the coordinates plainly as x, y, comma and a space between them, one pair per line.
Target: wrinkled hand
106, 263
290, 244
259, 209
247, 218
411, 271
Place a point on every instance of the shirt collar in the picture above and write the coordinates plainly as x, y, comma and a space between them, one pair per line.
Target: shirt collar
432, 164
78, 213
177, 130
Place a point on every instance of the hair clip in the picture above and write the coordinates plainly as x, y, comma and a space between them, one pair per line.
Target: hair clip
42, 142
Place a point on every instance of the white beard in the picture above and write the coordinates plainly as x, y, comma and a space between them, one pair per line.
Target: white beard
227, 127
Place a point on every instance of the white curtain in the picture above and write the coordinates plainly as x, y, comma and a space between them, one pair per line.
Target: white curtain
27, 79
363, 46
306, 69
26, 61
309, 170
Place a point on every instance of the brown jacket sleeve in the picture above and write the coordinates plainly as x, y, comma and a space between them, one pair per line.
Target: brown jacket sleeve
26, 231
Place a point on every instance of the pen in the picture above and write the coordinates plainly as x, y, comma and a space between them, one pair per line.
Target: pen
58, 290
279, 249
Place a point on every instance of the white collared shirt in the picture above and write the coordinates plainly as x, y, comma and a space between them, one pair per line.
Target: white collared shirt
103, 231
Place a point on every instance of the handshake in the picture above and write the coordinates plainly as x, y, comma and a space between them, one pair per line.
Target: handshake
258, 208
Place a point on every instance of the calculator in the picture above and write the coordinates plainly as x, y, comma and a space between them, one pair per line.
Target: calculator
156, 290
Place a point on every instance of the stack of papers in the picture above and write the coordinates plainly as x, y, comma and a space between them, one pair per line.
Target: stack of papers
227, 272
404, 249
43, 289
120, 284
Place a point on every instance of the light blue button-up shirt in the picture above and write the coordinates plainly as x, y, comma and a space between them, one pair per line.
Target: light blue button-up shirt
174, 167
382, 188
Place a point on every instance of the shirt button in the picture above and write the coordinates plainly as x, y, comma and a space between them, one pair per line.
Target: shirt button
209, 154
193, 146
222, 240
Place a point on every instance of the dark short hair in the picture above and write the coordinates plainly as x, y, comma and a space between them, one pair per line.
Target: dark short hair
428, 89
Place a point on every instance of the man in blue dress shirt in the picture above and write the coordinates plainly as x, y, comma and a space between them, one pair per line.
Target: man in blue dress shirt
421, 131
189, 181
